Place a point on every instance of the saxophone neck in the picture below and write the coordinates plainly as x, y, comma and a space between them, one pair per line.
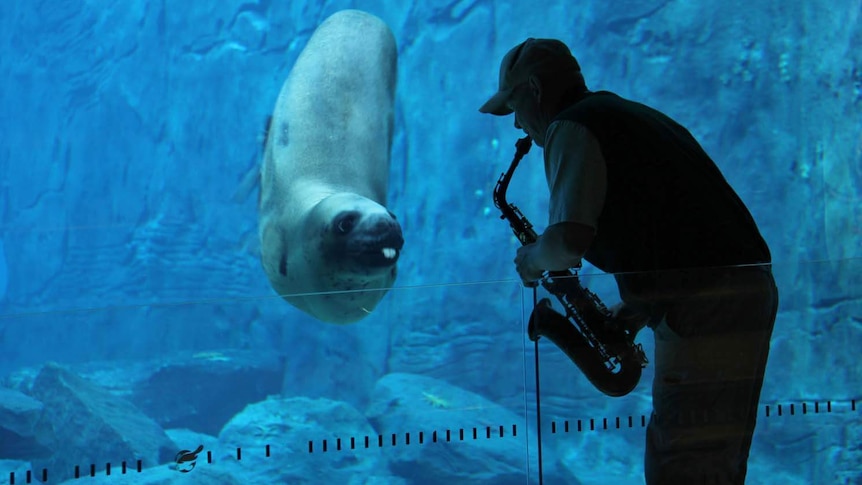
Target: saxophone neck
520, 225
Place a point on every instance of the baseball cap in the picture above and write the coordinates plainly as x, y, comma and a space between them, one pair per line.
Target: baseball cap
531, 57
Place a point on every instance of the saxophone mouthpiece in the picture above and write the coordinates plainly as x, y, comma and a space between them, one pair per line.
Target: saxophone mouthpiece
523, 145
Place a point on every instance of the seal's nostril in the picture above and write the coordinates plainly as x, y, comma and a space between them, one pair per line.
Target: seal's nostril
345, 221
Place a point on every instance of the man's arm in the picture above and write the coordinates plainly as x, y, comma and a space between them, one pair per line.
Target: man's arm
576, 173
560, 247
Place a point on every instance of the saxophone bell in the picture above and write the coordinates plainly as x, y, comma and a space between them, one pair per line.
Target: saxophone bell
614, 380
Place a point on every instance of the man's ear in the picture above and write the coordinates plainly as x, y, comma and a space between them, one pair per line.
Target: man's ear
536, 88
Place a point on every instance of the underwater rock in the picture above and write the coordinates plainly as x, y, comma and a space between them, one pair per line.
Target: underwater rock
18, 415
202, 391
199, 391
84, 424
202, 474
288, 425
407, 403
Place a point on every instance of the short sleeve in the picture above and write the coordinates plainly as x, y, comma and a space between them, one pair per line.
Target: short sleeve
576, 173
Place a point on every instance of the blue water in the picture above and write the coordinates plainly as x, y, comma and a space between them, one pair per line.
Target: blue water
136, 320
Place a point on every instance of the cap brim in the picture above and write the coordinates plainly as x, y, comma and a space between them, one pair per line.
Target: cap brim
497, 104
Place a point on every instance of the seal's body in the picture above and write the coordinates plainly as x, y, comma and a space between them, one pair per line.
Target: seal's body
324, 226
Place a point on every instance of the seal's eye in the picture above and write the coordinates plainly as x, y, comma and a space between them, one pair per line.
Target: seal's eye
345, 221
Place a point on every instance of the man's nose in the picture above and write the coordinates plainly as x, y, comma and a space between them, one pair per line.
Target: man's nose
517, 125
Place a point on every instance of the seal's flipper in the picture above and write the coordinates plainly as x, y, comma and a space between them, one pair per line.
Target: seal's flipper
265, 136
250, 181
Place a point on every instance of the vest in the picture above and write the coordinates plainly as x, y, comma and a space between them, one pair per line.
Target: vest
668, 209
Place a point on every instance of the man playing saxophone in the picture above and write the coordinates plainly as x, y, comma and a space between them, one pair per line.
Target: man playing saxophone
634, 194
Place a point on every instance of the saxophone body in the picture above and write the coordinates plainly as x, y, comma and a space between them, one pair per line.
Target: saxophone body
602, 348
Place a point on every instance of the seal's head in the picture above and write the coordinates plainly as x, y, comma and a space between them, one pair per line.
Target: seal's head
358, 235
341, 263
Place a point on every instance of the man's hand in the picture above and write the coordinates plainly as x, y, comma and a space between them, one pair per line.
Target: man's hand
628, 317
525, 265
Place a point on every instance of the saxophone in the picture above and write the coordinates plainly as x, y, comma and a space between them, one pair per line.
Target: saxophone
600, 345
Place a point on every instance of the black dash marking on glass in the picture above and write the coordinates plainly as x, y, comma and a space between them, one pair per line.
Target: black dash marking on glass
324, 446
580, 426
487, 432
515, 430
618, 422
448, 435
393, 439
566, 426
209, 459
592, 424
780, 413
475, 433
380, 441
367, 441
11, 478
406, 438
338, 444
29, 478
140, 466
352, 443
421, 437
553, 427
631, 422
804, 408
828, 406
792, 409
107, 469
77, 471
853, 405
434, 437
124, 468
311, 446
461, 434
239, 451
816, 407
643, 421
92, 469
767, 411
604, 423
501, 431
267, 451
44, 474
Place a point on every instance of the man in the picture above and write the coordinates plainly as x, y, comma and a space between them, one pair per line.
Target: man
634, 194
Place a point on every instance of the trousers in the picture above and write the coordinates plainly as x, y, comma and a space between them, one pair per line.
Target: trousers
711, 349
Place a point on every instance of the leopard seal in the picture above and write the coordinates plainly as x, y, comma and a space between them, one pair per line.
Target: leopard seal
329, 245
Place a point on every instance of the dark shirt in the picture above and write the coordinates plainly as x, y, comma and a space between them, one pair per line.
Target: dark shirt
667, 206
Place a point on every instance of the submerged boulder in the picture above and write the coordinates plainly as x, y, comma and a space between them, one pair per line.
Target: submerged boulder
477, 440
83, 424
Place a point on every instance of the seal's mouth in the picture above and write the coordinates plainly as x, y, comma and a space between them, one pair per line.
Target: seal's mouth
370, 241
381, 252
